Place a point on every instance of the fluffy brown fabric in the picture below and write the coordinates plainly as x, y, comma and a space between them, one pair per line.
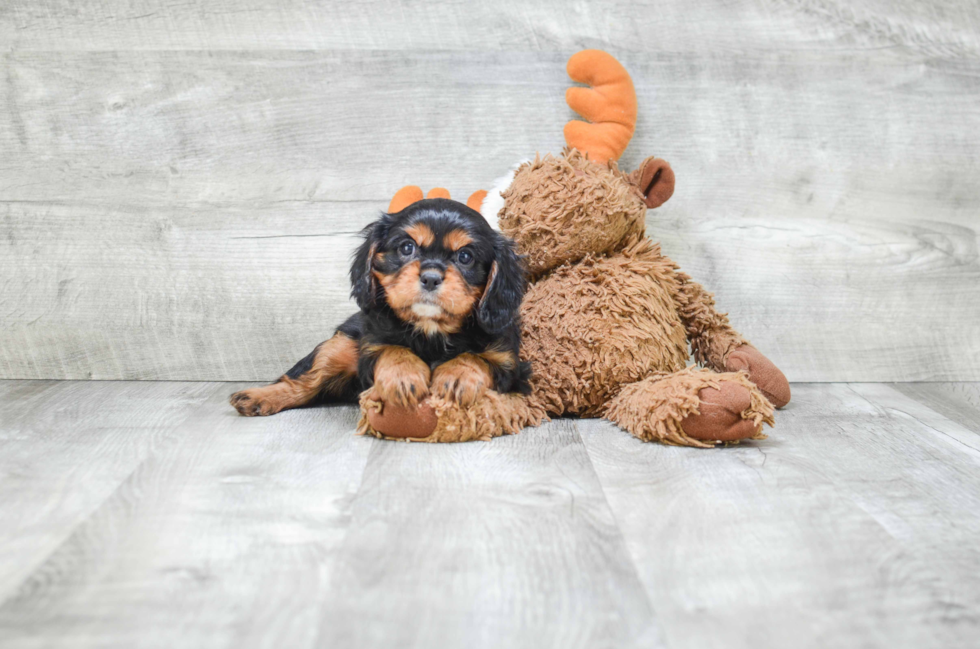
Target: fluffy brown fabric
712, 337
653, 409
607, 323
550, 209
493, 415
592, 327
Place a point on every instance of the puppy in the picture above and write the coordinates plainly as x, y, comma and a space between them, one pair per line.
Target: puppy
439, 293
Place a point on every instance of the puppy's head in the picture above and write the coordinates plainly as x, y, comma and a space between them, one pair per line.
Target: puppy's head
435, 263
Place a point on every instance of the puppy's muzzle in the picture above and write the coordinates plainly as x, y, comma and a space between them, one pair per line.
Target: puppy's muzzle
427, 306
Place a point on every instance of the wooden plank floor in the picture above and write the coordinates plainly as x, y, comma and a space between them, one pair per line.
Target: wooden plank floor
138, 514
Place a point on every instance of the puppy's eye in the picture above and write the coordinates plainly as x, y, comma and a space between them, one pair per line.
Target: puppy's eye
464, 257
407, 248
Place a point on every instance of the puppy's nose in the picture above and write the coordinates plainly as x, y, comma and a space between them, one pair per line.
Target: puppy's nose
430, 279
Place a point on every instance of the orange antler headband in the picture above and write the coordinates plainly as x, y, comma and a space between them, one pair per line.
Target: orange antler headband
412, 194
610, 106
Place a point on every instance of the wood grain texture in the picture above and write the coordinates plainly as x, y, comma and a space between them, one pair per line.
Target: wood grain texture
851, 526
224, 538
230, 291
825, 153
291, 531
506, 544
945, 27
150, 515
65, 448
957, 401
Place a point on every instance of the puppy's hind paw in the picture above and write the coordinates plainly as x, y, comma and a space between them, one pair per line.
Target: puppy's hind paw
252, 403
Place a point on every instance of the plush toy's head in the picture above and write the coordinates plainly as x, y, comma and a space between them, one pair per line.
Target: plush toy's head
561, 208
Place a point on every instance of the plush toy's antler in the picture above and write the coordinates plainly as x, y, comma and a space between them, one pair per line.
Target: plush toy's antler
610, 106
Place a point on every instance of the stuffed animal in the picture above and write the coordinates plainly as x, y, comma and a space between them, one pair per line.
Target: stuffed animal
608, 320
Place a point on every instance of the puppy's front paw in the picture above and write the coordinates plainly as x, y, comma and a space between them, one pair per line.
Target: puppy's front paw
403, 381
464, 380
254, 402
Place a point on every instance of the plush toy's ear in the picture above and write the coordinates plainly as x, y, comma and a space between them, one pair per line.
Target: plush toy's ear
364, 287
610, 106
655, 180
505, 288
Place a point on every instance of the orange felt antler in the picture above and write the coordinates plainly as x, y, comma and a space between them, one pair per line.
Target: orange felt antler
403, 198
610, 106
412, 194
475, 201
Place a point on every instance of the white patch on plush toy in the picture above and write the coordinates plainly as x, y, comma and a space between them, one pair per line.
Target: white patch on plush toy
494, 202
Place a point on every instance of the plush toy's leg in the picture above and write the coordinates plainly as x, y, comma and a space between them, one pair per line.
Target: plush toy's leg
718, 346
492, 415
692, 407
766, 376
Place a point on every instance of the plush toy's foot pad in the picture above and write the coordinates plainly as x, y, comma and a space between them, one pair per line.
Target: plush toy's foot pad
404, 422
762, 372
692, 407
719, 416
442, 420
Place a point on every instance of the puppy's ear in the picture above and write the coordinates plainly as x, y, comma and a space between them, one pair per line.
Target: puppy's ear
363, 285
506, 283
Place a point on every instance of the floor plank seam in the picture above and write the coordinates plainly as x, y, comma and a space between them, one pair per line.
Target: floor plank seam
619, 526
15, 592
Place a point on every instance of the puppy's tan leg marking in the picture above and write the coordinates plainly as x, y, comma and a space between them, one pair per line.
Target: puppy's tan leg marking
463, 379
400, 376
334, 366
501, 358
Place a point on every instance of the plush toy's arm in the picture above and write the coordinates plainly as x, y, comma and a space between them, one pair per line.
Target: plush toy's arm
712, 337
717, 345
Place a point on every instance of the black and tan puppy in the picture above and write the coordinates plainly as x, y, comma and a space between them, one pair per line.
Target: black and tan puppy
439, 293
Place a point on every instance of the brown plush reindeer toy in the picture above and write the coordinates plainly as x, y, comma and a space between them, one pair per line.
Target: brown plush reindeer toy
608, 319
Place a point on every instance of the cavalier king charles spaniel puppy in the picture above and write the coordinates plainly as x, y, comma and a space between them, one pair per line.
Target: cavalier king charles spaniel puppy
439, 292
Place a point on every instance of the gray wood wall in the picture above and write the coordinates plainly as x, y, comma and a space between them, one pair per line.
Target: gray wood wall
181, 183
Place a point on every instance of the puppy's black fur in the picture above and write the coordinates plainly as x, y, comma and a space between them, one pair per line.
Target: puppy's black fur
493, 323
434, 279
